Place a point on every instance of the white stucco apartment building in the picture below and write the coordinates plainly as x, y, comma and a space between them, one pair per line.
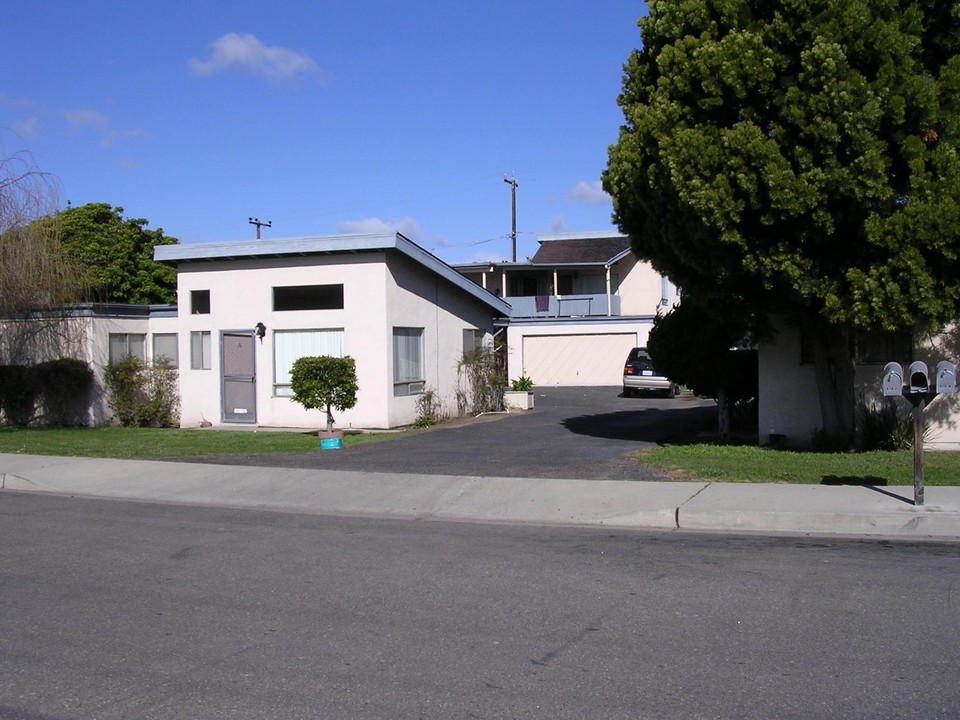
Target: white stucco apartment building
248, 310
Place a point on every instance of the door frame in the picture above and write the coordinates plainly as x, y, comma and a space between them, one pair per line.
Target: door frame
251, 417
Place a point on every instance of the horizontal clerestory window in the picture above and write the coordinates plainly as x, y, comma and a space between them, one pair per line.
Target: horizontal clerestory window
308, 297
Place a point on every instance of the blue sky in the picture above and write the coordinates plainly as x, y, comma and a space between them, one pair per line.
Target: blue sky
324, 117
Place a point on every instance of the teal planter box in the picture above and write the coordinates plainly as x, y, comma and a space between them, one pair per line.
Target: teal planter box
330, 443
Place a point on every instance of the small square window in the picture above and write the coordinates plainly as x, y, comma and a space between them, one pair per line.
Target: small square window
199, 302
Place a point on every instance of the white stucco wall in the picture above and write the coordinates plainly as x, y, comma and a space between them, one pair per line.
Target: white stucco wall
943, 414
241, 295
416, 298
642, 288
789, 404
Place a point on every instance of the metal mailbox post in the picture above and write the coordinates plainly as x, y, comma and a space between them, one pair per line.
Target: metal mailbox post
915, 386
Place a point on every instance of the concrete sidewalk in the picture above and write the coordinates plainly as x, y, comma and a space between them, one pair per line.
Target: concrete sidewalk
765, 508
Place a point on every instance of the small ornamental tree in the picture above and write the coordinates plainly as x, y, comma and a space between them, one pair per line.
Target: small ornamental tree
325, 382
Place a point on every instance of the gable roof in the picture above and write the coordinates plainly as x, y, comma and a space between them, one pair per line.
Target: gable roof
329, 245
581, 248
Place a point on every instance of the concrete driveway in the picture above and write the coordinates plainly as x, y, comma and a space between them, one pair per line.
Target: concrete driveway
576, 433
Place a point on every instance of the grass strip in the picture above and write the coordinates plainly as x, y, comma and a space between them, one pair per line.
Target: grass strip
152, 443
748, 464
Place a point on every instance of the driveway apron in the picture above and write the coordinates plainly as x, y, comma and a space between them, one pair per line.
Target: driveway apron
576, 433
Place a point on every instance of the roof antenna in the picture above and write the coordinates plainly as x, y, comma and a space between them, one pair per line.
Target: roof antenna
512, 182
256, 221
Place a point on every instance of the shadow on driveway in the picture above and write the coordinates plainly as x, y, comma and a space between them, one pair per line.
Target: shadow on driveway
576, 433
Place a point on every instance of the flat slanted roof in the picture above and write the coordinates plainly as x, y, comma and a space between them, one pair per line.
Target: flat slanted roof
329, 245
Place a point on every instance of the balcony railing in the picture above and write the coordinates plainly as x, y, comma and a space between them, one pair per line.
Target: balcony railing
563, 306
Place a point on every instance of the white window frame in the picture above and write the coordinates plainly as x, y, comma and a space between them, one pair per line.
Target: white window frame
408, 361
201, 350
291, 345
174, 359
134, 344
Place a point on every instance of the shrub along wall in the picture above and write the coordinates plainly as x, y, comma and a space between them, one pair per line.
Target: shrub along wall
54, 393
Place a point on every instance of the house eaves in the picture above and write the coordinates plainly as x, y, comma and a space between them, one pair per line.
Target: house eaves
330, 245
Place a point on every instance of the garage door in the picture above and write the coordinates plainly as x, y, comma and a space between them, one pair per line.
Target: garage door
577, 359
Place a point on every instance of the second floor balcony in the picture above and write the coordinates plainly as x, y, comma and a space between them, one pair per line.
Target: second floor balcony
551, 306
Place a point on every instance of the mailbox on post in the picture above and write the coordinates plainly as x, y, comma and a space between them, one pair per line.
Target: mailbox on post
946, 378
919, 379
916, 387
892, 380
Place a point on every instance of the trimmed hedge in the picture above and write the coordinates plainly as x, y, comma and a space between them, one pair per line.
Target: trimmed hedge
55, 393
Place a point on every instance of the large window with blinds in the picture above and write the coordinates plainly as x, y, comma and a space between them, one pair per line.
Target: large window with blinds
290, 345
408, 377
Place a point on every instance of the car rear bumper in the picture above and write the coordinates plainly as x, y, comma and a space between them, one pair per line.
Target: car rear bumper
646, 382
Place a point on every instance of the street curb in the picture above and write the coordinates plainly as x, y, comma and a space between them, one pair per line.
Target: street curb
696, 506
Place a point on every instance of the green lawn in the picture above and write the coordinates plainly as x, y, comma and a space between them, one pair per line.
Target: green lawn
733, 463
726, 463
163, 443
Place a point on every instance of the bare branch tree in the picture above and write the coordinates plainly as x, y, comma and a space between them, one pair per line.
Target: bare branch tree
35, 274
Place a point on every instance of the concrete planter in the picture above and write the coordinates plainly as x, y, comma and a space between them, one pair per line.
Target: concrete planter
330, 440
518, 399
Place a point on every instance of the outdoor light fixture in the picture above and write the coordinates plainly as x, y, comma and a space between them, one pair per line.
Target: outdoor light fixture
261, 331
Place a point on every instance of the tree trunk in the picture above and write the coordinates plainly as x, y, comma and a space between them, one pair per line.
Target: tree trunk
329, 419
723, 414
834, 368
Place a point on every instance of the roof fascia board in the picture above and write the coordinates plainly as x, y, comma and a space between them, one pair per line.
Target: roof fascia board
273, 248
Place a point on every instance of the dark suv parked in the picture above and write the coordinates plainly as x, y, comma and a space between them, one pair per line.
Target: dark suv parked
639, 375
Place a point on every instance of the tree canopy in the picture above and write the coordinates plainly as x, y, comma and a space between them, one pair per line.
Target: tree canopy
118, 254
798, 157
325, 382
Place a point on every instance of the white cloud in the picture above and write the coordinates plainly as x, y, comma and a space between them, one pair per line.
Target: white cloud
82, 120
558, 225
85, 119
588, 193
408, 227
26, 127
247, 54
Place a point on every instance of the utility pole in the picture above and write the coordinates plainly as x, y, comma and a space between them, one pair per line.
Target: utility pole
512, 182
256, 221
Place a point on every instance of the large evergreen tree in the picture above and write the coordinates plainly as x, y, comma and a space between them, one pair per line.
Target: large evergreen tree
798, 157
118, 254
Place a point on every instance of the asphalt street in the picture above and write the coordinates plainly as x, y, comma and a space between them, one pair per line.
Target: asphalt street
116, 610
583, 432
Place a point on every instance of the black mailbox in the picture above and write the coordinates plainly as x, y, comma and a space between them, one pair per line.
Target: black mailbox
919, 378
